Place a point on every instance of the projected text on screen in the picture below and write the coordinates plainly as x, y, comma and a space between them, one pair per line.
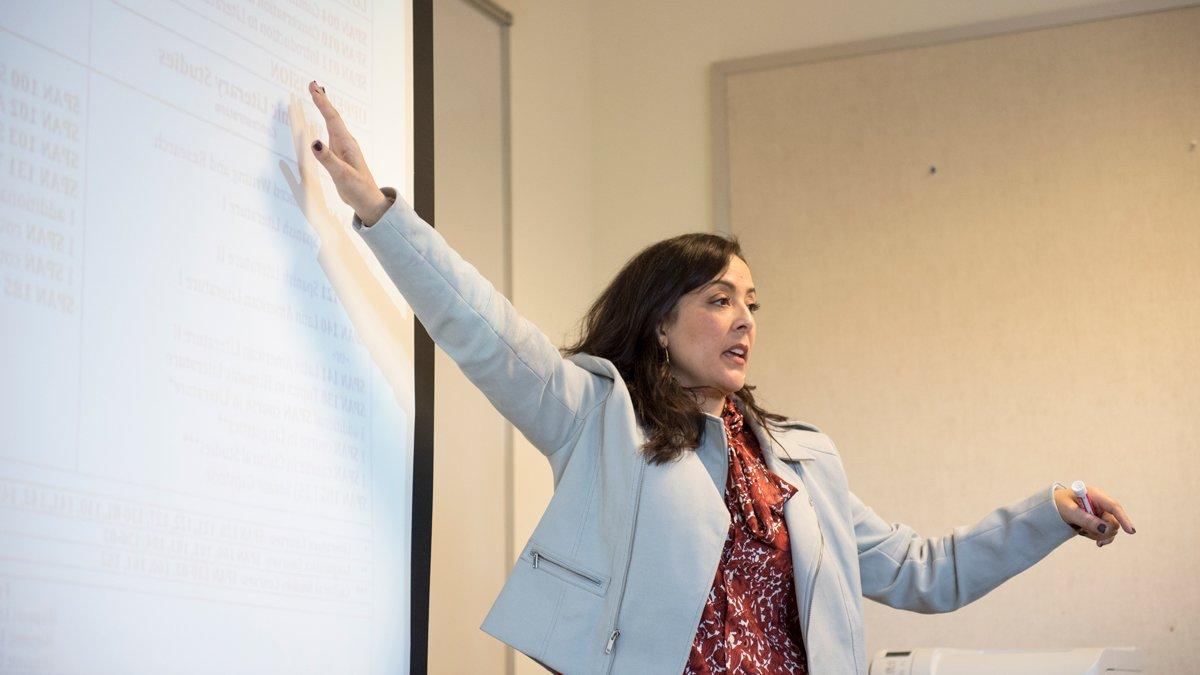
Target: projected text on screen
203, 467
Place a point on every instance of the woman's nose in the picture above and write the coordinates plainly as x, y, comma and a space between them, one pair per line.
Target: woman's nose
745, 317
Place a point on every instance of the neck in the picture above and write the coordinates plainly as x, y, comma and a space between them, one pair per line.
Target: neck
711, 401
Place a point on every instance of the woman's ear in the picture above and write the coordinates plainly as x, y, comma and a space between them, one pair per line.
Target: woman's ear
661, 329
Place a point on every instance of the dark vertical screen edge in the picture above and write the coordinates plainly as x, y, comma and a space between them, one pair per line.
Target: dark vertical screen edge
422, 488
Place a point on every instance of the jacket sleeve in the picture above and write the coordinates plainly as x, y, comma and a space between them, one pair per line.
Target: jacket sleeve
902, 569
513, 363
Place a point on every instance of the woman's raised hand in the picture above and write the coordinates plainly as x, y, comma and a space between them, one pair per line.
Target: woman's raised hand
343, 159
1103, 527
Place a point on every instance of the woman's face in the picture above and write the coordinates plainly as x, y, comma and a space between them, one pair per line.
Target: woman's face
709, 321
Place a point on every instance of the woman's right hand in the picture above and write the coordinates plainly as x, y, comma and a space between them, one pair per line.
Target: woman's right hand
343, 159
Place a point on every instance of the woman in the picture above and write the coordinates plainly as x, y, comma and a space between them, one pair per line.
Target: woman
690, 530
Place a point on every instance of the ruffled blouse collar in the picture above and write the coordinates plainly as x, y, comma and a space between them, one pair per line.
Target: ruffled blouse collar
732, 417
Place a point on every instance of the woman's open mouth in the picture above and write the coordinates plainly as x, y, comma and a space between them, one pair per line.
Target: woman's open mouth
734, 356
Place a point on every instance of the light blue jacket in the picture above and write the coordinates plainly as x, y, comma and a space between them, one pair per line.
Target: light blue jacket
616, 574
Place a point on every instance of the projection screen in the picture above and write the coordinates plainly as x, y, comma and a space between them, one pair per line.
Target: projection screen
206, 436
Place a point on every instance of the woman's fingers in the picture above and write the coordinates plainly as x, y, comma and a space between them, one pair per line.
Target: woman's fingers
360, 192
340, 140
1108, 522
333, 119
336, 167
1113, 530
1085, 523
1101, 499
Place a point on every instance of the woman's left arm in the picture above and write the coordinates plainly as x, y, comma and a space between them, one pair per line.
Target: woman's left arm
902, 569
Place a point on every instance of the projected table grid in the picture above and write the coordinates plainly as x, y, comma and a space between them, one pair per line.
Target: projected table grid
195, 441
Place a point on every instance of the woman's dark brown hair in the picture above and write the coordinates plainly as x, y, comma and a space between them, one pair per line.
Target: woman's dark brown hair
621, 326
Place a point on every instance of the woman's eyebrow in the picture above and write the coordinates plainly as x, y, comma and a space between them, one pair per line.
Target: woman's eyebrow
726, 284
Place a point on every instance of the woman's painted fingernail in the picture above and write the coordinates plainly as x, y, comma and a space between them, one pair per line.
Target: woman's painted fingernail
1133, 530
1102, 527
322, 89
318, 146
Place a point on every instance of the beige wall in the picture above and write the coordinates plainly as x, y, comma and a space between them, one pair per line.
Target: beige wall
610, 146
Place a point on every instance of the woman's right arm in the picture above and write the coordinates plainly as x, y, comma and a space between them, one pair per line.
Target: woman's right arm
515, 365
506, 356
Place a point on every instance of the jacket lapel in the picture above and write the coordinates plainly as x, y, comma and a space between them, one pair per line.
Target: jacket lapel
713, 453
805, 539
774, 453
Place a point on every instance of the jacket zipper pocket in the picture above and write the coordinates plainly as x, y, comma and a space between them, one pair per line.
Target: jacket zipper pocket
616, 632
539, 559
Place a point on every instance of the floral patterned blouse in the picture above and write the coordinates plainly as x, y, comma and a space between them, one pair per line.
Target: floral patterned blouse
750, 622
